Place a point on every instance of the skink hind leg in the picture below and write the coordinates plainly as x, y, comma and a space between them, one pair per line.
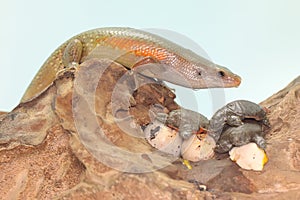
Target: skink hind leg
72, 53
71, 57
51, 69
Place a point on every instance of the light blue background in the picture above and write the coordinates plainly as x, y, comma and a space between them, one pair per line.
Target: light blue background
258, 39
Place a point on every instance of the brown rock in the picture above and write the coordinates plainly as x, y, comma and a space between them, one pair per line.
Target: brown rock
2, 113
81, 139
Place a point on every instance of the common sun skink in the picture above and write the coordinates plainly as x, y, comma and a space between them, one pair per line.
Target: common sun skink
164, 60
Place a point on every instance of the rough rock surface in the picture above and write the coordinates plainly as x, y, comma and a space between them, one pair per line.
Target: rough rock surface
50, 149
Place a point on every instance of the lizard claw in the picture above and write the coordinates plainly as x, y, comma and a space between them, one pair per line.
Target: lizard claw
66, 71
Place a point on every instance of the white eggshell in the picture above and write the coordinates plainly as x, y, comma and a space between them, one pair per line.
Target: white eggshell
195, 149
249, 156
163, 138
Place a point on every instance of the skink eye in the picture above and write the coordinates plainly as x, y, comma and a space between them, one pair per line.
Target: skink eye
199, 73
221, 74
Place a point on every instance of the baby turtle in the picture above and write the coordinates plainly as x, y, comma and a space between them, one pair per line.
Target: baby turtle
241, 135
181, 132
187, 122
233, 114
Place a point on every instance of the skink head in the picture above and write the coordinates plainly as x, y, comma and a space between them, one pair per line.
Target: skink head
196, 76
227, 77
191, 70
213, 76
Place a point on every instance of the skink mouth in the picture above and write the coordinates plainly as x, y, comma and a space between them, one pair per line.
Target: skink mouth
236, 80
229, 79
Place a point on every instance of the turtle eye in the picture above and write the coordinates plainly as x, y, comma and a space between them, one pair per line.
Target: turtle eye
231, 106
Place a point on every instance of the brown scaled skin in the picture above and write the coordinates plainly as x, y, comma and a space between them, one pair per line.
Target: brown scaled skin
140, 51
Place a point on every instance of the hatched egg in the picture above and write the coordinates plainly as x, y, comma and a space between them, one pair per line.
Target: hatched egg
163, 138
249, 156
198, 148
